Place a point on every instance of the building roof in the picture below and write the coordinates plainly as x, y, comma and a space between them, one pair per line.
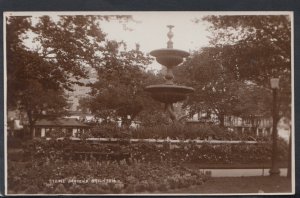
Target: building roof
61, 122
79, 113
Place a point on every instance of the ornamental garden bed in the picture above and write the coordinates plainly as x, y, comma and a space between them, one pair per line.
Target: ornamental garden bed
192, 151
86, 177
149, 167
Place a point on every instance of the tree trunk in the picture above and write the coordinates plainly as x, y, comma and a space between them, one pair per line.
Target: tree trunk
126, 122
289, 173
32, 132
221, 118
31, 124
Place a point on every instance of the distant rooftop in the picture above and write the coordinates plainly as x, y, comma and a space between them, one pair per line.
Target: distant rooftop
79, 113
62, 122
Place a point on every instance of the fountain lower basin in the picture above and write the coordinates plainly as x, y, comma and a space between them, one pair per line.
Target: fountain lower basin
169, 93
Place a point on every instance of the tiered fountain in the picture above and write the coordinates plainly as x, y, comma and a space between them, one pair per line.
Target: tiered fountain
169, 92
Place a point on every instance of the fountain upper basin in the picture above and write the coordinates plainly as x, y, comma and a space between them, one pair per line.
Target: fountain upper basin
169, 93
169, 57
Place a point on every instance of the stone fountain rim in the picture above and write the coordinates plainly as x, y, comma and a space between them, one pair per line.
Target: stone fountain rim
164, 51
150, 88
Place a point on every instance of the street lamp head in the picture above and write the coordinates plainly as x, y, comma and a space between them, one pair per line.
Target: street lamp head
274, 83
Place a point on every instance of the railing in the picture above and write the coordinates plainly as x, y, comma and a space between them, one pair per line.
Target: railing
172, 141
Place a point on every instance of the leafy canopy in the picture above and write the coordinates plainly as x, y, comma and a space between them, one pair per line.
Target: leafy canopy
60, 51
231, 77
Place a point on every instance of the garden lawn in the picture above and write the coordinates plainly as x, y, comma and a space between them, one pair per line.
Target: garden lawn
221, 185
250, 165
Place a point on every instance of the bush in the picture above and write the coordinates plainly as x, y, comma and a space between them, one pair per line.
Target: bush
14, 142
109, 130
121, 151
173, 131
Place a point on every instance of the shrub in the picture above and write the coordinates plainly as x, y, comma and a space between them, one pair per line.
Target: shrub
173, 131
14, 142
125, 152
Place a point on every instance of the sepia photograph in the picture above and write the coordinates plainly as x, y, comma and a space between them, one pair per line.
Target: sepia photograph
149, 103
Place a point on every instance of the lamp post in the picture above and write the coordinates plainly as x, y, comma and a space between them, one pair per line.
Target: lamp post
289, 173
275, 86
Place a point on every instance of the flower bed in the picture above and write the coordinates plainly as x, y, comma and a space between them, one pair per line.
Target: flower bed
140, 167
152, 152
90, 177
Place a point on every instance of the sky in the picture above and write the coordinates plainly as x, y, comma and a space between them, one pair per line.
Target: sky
149, 30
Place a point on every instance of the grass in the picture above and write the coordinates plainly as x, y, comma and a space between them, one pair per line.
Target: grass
234, 185
253, 165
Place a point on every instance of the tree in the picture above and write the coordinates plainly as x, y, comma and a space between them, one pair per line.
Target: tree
256, 48
218, 89
214, 85
37, 76
40, 103
231, 77
119, 91
29, 83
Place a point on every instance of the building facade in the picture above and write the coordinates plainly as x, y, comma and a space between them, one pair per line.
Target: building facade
255, 126
70, 127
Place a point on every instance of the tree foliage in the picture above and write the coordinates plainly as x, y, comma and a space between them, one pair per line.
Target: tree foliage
257, 48
256, 45
32, 84
60, 50
119, 91
218, 89
232, 76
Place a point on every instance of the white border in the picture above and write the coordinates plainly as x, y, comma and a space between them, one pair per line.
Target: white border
293, 169
4, 100
234, 13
